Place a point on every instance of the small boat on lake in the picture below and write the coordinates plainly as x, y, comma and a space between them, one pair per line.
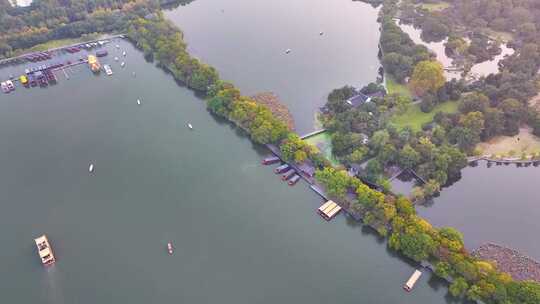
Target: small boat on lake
44, 250
170, 248
108, 69
321, 33
4, 87
190, 126
117, 46
287, 51
124, 53
10, 85
122, 64
91, 168
115, 58
138, 102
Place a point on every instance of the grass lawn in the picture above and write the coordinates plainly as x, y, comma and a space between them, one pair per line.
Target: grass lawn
415, 118
436, 7
394, 87
324, 143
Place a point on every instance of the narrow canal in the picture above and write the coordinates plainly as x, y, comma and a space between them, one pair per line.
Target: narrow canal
246, 41
241, 234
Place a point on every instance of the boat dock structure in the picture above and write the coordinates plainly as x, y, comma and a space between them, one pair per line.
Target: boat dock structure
328, 210
44, 66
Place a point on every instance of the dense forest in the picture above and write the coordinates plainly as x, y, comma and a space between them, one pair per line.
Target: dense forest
44, 20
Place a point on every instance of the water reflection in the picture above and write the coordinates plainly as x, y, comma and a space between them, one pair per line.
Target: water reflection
492, 202
438, 47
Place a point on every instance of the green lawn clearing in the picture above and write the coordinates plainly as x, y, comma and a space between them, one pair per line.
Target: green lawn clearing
394, 87
415, 118
323, 142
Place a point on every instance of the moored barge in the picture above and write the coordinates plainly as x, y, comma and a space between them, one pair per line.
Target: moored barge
281, 169
294, 180
288, 174
271, 160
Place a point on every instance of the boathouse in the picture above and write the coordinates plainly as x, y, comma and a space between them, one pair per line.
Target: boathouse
328, 210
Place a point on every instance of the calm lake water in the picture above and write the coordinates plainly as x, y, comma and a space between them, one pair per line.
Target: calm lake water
497, 204
246, 41
480, 69
241, 234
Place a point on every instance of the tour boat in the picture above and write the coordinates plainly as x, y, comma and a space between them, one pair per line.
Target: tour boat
170, 248
124, 53
122, 64
44, 250
91, 168
107, 69
190, 126
287, 51
138, 102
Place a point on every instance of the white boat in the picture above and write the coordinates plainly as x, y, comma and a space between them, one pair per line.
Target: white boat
170, 248
287, 51
138, 102
190, 126
122, 64
117, 46
4, 87
91, 168
10, 85
124, 54
115, 58
107, 69
321, 33
45, 251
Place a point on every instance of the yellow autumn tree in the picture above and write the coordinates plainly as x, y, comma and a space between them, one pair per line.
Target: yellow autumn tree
428, 77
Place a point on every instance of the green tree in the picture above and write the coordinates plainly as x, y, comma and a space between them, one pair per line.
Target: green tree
443, 270
408, 157
458, 287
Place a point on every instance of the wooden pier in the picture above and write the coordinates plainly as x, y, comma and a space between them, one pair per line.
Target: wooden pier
515, 160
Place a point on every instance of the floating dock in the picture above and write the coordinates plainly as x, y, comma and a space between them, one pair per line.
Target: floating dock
329, 210
409, 285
